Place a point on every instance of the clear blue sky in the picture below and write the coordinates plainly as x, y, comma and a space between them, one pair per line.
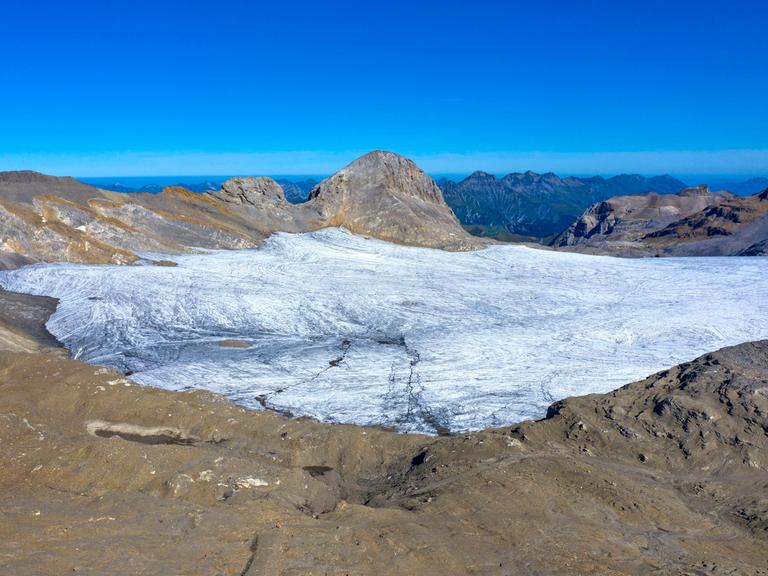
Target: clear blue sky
122, 88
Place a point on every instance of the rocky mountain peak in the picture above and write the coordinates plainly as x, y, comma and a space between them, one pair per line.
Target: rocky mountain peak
386, 195
379, 159
701, 190
32, 177
252, 191
479, 175
382, 195
387, 172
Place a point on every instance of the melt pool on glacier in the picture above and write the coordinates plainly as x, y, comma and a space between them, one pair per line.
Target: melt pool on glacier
349, 329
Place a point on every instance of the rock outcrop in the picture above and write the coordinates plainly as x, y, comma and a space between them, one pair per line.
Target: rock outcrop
694, 222
45, 218
757, 249
255, 192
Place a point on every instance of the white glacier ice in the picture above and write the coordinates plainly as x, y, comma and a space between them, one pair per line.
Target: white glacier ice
348, 329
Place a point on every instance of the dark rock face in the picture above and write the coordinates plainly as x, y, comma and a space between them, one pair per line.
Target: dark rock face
537, 205
12, 260
602, 221
22, 323
757, 249
695, 222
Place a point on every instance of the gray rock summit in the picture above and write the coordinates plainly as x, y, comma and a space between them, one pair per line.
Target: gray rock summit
252, 191
691, 191
385, 195
383, 172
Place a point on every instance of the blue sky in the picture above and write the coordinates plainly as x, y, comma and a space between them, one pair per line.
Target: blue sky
140, 88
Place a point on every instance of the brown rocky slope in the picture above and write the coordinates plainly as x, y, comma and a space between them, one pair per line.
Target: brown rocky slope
22, 323
664, 476
45, 218
694, 222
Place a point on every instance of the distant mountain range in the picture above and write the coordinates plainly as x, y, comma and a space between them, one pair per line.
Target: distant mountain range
296, 191
205, 186
518, 206
747, 187
537, 205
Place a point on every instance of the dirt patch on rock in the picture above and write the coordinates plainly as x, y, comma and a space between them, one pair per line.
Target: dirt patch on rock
141, 434
234, 343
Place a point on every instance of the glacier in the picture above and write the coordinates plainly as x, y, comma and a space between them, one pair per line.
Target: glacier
349, 329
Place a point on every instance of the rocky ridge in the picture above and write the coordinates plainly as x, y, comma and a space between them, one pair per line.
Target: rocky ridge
694, 222
45, 218
296, 191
